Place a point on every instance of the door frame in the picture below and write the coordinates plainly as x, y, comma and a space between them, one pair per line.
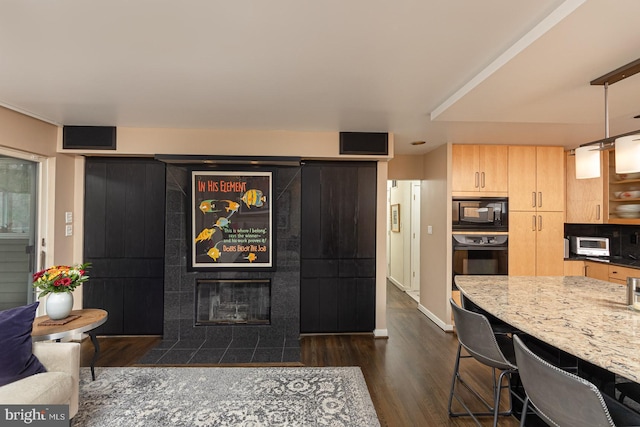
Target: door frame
415, 236
41, 232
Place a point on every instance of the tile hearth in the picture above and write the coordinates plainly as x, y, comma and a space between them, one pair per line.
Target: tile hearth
238, 351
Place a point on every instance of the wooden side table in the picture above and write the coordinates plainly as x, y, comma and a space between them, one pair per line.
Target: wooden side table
88, 319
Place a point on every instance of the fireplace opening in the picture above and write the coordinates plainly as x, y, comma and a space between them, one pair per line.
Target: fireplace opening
233, 301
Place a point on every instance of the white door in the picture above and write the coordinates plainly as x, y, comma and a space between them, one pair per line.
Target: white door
18, 230
415, 236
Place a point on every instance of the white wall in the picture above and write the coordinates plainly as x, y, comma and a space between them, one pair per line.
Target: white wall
435, 248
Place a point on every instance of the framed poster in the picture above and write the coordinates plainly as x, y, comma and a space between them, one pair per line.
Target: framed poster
231, 219
395, 218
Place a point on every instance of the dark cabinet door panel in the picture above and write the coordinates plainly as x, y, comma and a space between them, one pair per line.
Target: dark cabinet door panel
95, 210
313, 268
107, 295
116, 210
366, 224
357, 267
141, 302
319, 305
124, 241
356, 305
338, 265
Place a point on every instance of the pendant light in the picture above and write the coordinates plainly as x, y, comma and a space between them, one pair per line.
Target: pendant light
627, 147
628, 154
587, 162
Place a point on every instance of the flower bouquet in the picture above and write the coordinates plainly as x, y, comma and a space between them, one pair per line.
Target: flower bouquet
60, 278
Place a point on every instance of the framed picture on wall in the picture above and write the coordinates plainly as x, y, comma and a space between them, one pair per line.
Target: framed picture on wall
231, 219
395, 218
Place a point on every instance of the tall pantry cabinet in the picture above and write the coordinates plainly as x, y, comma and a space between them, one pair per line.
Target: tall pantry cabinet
338, 247
536, 210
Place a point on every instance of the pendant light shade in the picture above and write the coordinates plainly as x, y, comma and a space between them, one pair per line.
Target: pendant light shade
587, 162
627, 154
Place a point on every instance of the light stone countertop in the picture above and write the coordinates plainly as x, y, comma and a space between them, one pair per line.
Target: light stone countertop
585, 317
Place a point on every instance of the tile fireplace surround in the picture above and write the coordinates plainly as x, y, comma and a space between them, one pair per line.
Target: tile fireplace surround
185, 343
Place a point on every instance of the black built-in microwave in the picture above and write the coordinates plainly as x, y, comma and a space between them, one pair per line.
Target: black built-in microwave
480, 214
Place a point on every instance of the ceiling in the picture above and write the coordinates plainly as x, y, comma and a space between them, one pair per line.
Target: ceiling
466, 71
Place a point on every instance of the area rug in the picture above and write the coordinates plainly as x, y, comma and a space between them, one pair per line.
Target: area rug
201, 397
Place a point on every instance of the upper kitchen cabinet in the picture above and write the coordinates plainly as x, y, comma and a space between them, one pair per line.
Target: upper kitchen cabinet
479, 169
586, 201
536, 178
623, 194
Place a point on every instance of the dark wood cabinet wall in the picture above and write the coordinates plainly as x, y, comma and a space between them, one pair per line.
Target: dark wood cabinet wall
124, 221
124, 235
338, 247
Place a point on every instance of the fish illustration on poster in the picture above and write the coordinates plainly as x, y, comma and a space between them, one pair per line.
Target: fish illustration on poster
231, 219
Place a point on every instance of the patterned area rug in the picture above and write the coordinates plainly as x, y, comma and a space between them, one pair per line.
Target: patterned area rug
200, 397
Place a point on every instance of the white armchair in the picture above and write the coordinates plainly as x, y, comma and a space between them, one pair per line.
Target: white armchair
58, 386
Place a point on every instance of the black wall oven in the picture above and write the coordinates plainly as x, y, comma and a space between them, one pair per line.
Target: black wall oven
484, 254
480, 214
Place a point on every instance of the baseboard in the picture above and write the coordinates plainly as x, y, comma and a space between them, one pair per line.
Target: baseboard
381, 333
398, 284
435, 319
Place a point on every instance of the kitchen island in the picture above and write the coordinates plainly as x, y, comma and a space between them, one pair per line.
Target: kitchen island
585, 317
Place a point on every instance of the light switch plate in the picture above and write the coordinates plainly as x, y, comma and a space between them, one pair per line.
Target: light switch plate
429, 229
68, 217
68, 230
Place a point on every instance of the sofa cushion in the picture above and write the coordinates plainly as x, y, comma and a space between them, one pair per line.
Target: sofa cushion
16, 357
48, 388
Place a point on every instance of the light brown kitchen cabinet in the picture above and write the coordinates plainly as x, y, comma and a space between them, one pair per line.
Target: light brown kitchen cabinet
536, 244
574, 268
586, 198
536, 211
479, 169
596, 270
600, 270
536, 178
619, 274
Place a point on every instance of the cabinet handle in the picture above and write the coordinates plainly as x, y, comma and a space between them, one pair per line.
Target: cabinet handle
586, 271
540, 199
477, 179
533, 223
482, 179
539, 222
597, 212
533, 199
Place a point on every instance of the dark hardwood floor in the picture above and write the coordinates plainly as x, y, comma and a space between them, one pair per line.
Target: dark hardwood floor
408, 374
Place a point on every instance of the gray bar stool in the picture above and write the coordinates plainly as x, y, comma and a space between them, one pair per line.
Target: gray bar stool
477, 337
561, 398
